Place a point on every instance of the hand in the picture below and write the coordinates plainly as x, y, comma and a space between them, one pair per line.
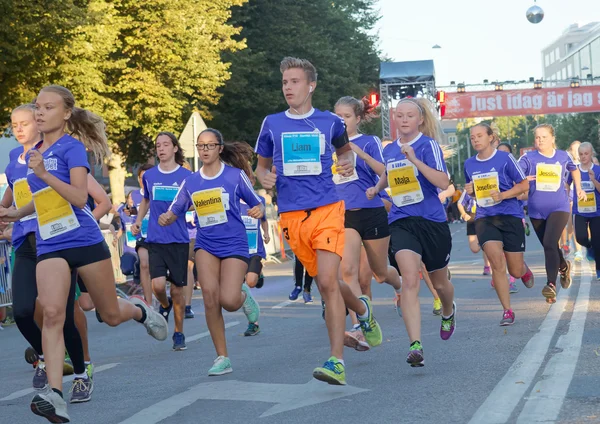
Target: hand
345, 167
359, 152
496, 196
469, 189
371, 193
270, 179
442, 197
136, 229
581, 195
266, 238
531, 178
9, 214
166, 218
36, 163
127, 211
466, 217
256, 212
409, 152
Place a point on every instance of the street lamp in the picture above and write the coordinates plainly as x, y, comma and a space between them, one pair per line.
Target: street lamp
460, 88
537, 85
534, 14
575, 83
498, 86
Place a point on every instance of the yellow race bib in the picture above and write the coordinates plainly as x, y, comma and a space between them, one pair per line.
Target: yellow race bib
548, 177
483, 185
404, 185
54, 214
21, 193
589, 204
210, 207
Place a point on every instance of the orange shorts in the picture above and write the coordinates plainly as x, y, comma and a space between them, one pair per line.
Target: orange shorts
311, 230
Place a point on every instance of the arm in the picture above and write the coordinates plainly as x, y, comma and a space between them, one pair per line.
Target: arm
576, 175
449, 192
75, 193
434, 167
266, 172
7, 199
515, 191
100, 197
438, 178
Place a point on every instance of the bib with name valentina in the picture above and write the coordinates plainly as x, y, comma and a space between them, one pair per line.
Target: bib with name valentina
210, 207
404, 185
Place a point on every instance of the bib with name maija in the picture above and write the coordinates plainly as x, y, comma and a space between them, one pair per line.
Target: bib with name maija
338, 178
210, 207
129, 237
251, 225
589, 204
301, 154
548, 177
55, 215
164, 193
484, 184
404, 185
22, 196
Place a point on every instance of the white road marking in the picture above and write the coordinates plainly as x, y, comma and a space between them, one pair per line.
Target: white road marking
547, 396
283, 304
66, 379
206, 333
287, 397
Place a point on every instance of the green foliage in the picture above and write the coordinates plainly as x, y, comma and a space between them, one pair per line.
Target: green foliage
335, 36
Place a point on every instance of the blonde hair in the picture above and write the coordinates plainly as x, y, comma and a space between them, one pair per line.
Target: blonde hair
587, 145
295, 63
431, 126
84, 125
27, 106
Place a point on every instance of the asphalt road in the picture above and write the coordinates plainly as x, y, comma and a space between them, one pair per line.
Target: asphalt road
545, 368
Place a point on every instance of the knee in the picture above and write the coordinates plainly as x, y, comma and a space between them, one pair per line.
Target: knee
86, 303
54, 315
111, 319
211, 299
230, 305
410, 281
159, 288
350, 271
144, 265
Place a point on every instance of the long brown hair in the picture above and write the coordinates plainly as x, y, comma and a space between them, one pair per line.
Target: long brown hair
237, 154
179, 156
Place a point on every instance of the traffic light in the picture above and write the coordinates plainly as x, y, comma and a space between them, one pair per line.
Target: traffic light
374, 99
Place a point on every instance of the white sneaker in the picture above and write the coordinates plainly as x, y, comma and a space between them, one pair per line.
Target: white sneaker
155, 323
51, 406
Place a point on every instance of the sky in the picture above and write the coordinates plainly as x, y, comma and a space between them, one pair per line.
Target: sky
480, 39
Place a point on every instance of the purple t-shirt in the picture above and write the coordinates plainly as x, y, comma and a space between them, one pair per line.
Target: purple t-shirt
161, 188
353, 192
467, 202
301, 148
421, 199
548, 192
221, 231
16, 172
499, 172
62, 225
589, 187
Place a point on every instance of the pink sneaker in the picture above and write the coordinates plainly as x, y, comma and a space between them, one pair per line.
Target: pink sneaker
354, 339
492, 283
487, 270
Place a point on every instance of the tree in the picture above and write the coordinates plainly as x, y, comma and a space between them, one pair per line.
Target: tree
335, 36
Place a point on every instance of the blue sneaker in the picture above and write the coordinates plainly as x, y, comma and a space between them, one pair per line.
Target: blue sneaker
307, 297
164, 312
590, 255
189, 313
179, 342
295, 293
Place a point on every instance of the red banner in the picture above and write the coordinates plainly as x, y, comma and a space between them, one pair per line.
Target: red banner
545, 101
525, 150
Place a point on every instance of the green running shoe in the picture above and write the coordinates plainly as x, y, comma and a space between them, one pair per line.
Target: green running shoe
332, 372
222, 365
250, 306
369, 326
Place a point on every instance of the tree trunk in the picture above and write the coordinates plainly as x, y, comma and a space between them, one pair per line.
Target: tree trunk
116, 176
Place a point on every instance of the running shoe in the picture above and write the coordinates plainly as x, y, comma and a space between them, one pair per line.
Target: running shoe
252, 330
51, 406
261, 281
250, 306
332, 372
89, 370
492, 283
565, 276
31, 356
415, 355
221, 365
512, 288
528, 279
307, 297
179, 342
508, 318
369, 326
156, 324
164, 312
578, 256
397, 304
40, 379
81, 390
448, 324
549, 291
295, 293
68, 365
487, 270
437, 307
354, 339
189, 313
590, 255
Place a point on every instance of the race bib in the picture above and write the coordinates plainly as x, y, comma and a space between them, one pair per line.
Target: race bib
144, 227
130, 239
301, 154
548, 177
338, 178
22, 196
589, 204
404, 185
250, 223
55, 215
252, 241
483, 185
189, 216
210, 207
164, 193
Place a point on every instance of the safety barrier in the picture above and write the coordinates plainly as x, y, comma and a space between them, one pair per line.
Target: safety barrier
116, 250
5, 274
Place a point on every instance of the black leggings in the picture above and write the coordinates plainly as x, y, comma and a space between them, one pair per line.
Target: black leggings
548, 232
582, 237
299, 272
24, 291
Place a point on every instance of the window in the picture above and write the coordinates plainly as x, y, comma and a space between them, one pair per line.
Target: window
547, 60
557, 53
564, 73
595, 68
576, 65
552, 57
584, 56
569, 70
452, 139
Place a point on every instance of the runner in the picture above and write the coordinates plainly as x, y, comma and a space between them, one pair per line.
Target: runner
167, 248
420, 233
496, 179
586, 212
190, 223
67, 236
221, 242
295, 150
549, 210
568, 236
365, 220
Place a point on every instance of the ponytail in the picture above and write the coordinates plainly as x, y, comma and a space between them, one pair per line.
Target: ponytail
431, 126
362, 108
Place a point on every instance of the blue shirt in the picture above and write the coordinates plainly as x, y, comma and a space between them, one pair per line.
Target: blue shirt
161, 188
548, 192
353, 192
126, 223
221, 231
16, 172
62, 225
256, 245
304, 143
589, 187
412, 193
500, 172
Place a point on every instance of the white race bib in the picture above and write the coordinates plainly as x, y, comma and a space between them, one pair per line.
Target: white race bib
337, 178
55, 215
301, 153
129, 237
484, 184
404, 185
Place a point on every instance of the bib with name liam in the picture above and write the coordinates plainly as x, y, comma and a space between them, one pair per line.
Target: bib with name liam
404, 185
301, 154
548, 177
210, 207
484, 184
55, 215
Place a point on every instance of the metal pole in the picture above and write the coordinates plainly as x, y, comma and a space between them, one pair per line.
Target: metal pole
194, 142
468, 141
